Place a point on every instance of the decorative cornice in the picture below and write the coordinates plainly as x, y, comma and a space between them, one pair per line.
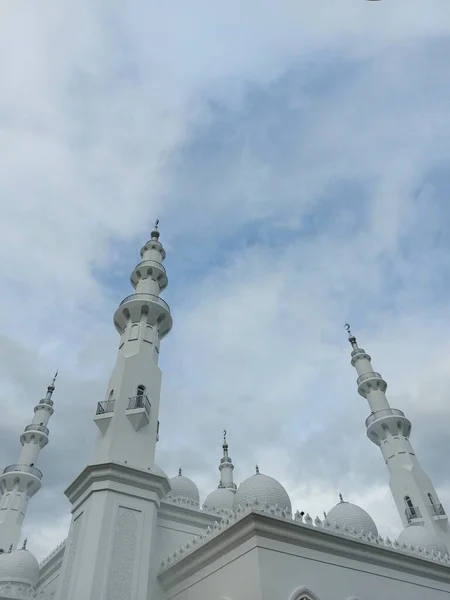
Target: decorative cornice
52, 554
273, 523
118, 473
185, 514
173, 499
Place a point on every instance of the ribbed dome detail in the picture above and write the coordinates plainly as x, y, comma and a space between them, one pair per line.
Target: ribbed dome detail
220, 500
346, 514
264, 489
183, 487
421, 537
19, 566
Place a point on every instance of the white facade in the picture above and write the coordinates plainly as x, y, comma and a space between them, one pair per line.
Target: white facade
138, 535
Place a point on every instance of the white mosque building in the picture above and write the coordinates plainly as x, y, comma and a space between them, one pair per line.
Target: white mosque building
136, 534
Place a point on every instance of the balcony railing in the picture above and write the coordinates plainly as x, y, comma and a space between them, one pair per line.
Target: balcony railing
23, 469
36, 427
107, 406
46, 401
151, 297
151, 263
387, 412
366, 376
139, 402
437, 509
412, 513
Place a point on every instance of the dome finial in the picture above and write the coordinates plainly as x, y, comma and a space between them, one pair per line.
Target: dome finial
225, 445
341, 499
24, 545
257, 469
179, 472
155, 232
10, 549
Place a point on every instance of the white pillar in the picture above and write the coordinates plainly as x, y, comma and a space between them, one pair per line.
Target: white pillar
115, 499
414, 494
20, 481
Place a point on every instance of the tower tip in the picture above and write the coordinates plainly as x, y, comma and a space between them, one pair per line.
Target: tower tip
351, 337
225, 444
155, 232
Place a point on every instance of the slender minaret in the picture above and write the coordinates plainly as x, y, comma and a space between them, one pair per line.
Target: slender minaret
226, 467
21, 481
416, 499
116, 497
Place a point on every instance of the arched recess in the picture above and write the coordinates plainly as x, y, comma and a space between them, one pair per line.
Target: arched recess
303, 593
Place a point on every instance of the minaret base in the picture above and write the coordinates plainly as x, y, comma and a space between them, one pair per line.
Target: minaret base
112, 534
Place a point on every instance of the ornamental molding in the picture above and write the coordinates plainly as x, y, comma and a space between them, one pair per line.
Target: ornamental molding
272, 523
52, 562
186, 515
107, 476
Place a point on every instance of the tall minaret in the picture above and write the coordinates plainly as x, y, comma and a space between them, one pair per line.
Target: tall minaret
416, 499
21, 481
226, 467
116, 497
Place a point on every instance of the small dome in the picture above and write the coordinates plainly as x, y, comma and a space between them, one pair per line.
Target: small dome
264, 489
421, 537
158, 471
19, 566
352, 516
220, 501
183, 487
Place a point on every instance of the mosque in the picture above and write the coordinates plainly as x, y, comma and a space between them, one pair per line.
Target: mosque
136, 534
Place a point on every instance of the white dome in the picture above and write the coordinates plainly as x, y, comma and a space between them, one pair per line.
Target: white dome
220, 500
352, 516
19, 566
264, 489
183, 487
421, 537
158, 471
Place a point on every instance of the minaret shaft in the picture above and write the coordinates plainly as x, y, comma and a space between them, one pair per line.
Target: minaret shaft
414, 494
226, 468
115, 499
19, 482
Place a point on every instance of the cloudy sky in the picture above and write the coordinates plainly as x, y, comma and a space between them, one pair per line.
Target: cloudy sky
297, 154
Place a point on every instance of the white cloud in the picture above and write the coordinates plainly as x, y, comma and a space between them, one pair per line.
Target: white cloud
244, 128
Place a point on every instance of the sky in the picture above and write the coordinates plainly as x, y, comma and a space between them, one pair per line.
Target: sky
297, 155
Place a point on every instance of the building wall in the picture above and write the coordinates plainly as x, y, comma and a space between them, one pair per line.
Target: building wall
270, 570
235, 576
286, 568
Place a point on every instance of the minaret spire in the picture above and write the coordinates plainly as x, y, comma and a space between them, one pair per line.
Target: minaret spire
226, 467
414, 494
19, 482
132, 395
119, 492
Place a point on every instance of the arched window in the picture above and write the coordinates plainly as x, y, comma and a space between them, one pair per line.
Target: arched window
140, 390
134, 332
303, 594
411, 512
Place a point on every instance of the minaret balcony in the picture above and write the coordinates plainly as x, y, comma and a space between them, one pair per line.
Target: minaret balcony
138, 411
437, 511
368, 382
35, 432
387, 420
28, 478
46, 404
413, 514
133, 306
36, 427
150, 269
104, 414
